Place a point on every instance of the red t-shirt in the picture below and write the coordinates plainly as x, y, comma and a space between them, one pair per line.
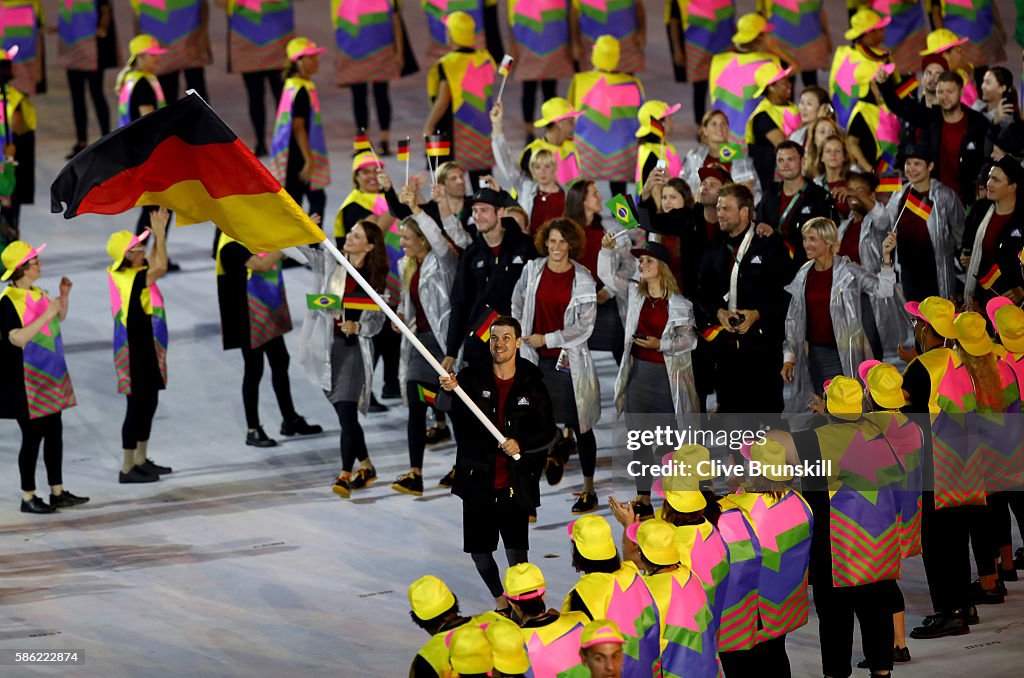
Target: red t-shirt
988, 246
652, 321
422, 324
502, 464
819, 317
912, 230
591, 248
496, 251
850, 246
546, 206
949, 152
783, 205
553, 295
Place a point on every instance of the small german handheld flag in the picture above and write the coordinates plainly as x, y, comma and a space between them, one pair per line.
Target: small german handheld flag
403, 150
658, 127
710, 333
323, 302
426, 395
906, 87
482, 329
354, 303
505, 66
623, 211
437, 146
989, 279
889, 185
918, 207
361, 143
882, 166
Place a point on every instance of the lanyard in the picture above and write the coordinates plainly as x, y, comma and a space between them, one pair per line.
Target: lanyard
792, 203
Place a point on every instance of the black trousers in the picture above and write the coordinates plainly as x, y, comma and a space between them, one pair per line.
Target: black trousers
1001, 503
416, 427
277, 355
256, 93
836, 607
195, 78
529, 101
767, 658
138, 419
947, 558
353, 443
77, 83
299, 189
361, 107
48, 431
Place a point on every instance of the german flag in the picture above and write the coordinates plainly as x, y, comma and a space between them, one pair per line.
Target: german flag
426, 395
359, 303
658, 127
482, 328
185, 158
906, 87
710, 333
989, 279
918, 206
889, 185
361, 143
403, 150
438, 147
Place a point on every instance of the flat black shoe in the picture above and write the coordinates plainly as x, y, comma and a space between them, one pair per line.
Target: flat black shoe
155, 468
390, 393
362, 477
260, 150
900, 655
299, 427
36, 505
449, 479
65, 500
385, 149
940, 626
980, 596
586, 503
971, 615
438, 434
1007, 575
173, 267
376, 407
137, 475
257, 438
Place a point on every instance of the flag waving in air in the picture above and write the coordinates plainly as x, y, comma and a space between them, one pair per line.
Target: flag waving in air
185, 158
623, 211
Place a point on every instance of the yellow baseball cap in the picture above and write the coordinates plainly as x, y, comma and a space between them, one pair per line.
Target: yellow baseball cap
593, 537
364, 159
884, 382
657, 540
865, 21
1009, 322
300, 47
508, 647
844, 398
120, 242
469, 651
16, 254
749, 27
555, 109
937, 312
144, 43
429, 597
771, 455
461, 29
940, 40
524, 581
601, 631
605, 55
653, 110
769, 74
972, 333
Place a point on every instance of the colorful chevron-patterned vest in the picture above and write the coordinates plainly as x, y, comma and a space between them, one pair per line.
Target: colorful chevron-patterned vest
1000, 435
281, 142
975, 20
47, 382
438, 10
124, 99
906, 35
708, 27
176, 24
905, 438
688, 644
554, 649
624, 598
738, 628
259, 33
20, 21
470, 77
709, 559
606, 133
732, 86
798, 27
76, 30
269, 316
565, 155
885, 126
666, 152
541, 30
786, 118
616, 18
365, 36
120, 283
376, 204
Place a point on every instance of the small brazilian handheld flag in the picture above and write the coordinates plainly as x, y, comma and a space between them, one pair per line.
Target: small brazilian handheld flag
323, 302
623, 210
729, 152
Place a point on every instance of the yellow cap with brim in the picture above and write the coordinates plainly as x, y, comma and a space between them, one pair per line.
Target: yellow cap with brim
144, 44
364, 159
300, 47
461, 29
972, 333
524, 581
653, 110
429, 597
884, 383
865, 21
17, 254
593, 537
772, 457
768, 75
605, 55
749, 27
941, 40
1009, 322
555, 109
120, 242
696, 459
508, 647
684, 501
469, 651
937, 312
844, 398
601, 631
657, 541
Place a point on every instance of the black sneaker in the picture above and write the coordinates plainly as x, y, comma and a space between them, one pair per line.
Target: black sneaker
390, 393
980, 596
586, 503
257, 438
438, 434
1007, 575
971, 615
643, 510
899, 655
299, 427
137, 475
409, 483
363, 477
155, 468
375, 406
341, 488
36, 505
940, 626
448, 480
65, 499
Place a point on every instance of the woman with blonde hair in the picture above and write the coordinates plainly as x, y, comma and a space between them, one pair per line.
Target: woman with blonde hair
817, 134
714, 149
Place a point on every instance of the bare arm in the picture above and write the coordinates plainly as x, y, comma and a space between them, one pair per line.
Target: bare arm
158, 256
441, 104
21, 337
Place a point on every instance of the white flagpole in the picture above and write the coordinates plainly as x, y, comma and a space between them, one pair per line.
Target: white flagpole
411, 336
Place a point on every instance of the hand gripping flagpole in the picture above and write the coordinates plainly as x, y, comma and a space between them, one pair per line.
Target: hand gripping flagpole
411, 336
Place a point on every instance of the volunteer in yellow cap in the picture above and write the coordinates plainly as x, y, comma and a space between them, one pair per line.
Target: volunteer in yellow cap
366, 199
775, 117
655, 150
547, 632
140, 340
601, 648
137, 88
558, 121
19, 162
945, 43
470, 652
984, 39
34, 379
508, 647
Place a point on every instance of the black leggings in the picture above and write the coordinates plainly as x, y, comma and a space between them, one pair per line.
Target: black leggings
195, 78
488, 568
387, 345
138, 419
77, 80
257, 107
1000, 504
586, 447
416, 432
700, 100
361, 108
529, 100
277, 356
49, 431
353, 443
299, 189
